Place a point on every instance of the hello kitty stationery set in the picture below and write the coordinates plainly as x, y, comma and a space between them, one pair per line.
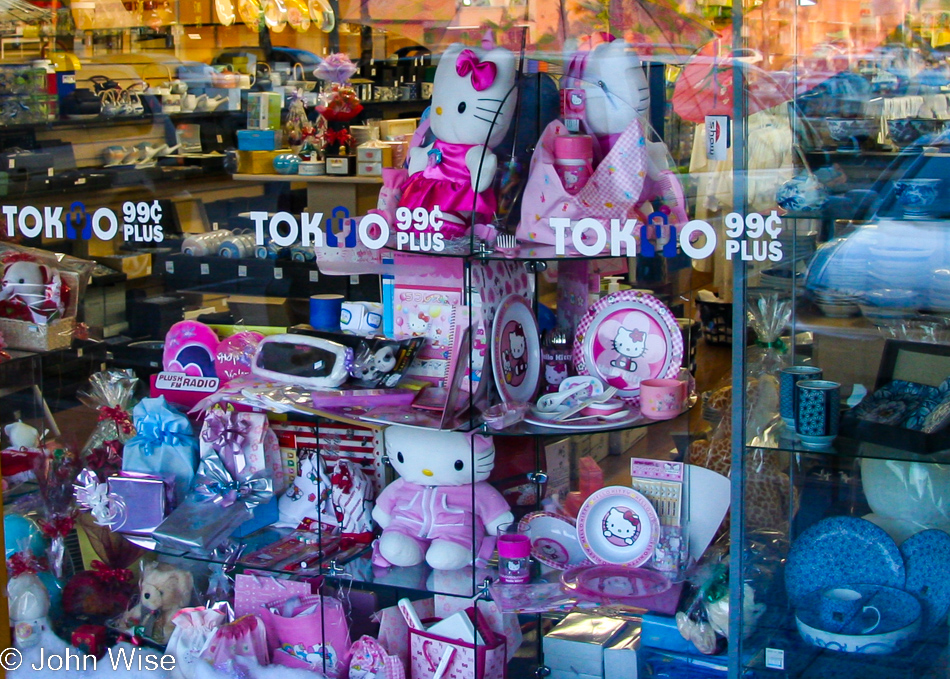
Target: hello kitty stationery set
618, 525
628, 337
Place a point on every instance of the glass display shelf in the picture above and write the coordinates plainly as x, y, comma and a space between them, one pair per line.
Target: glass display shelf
352, 565
777, 438
782, 645
567, 429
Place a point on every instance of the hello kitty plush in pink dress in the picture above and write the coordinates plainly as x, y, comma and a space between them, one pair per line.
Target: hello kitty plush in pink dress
473, 102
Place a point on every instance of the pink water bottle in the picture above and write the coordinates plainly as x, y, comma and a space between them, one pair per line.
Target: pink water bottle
574, 160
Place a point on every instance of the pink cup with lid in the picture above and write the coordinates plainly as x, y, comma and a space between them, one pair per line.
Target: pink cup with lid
574, 160
514, 564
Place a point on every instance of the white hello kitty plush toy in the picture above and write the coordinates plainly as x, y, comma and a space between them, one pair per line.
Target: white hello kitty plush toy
473, 102
429, 513
29, 607
617, 93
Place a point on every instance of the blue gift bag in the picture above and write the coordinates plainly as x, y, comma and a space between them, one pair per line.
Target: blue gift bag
164, 444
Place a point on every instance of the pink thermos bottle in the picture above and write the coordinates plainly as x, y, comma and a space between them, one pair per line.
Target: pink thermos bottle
574, 160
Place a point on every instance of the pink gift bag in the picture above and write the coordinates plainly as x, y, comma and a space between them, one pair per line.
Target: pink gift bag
309, 633
469, 661
253, 592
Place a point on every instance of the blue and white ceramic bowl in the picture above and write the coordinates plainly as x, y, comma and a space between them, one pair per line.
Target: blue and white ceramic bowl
801, 193
916, 195
900, 623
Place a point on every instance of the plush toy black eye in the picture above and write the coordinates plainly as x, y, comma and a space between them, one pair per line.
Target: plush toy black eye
400, 458
459, 465
462, 107
147, 595
23, 280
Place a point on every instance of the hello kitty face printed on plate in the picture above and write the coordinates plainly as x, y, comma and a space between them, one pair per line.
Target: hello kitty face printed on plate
618, 525
628, 337
516, 350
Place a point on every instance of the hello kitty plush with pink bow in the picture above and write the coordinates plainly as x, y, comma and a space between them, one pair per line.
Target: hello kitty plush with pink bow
473, 102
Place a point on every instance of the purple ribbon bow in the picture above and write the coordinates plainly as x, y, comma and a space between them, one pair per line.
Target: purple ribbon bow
225, 432
483, 72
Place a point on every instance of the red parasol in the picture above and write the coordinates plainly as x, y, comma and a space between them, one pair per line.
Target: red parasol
706, 85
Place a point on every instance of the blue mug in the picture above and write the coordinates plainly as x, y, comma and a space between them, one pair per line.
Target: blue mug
787, 394
325, 312
818, 409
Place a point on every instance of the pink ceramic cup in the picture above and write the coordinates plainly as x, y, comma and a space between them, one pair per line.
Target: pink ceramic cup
662, 399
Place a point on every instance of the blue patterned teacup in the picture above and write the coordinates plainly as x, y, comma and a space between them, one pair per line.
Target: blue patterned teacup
916, 195
843, 608
818, 408
787, 395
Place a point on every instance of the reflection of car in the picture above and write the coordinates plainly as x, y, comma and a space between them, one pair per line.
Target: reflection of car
278, 55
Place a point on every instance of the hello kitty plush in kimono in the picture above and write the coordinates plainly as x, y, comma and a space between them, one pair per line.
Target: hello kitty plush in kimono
631, 175
617, 93
428, 513
473, 102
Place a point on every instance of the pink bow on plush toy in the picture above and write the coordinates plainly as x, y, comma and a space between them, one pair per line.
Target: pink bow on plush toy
483, 72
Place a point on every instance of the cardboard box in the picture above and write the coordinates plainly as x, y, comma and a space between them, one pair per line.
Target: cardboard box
137, 265
271, 311
258, 140
849, 362
389, 129
375, 152
261, 515
620, 657
660, 631
341, 165
915, 362
577, 643
263, 110
257, 162
599, 445
622, 441
369, 169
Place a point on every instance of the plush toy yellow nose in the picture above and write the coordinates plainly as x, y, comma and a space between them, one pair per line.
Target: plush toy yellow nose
427, 472
438, 110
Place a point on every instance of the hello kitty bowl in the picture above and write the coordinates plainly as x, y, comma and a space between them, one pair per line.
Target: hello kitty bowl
553, 539
662, 399
618, 525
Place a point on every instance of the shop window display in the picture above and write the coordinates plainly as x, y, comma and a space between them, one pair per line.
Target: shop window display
478, 340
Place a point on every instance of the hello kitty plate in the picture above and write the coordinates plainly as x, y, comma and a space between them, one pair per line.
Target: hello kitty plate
610, 583
515, 350
553, 539
618, 525
628, 337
